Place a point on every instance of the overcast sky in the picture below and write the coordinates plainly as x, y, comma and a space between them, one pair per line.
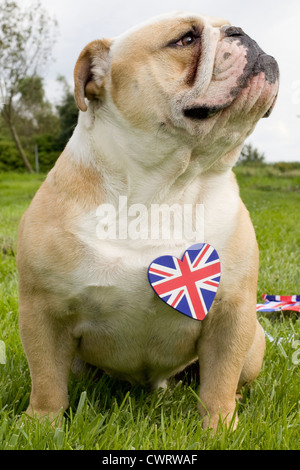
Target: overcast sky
273, 24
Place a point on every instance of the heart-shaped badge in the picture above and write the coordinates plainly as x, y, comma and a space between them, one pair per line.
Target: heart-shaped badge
188, 285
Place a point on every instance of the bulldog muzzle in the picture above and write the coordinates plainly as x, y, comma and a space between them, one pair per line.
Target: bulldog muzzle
253, 62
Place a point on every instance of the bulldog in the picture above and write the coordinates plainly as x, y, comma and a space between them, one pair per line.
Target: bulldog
164, 111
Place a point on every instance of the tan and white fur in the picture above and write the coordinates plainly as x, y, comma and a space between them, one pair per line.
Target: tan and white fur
87, 298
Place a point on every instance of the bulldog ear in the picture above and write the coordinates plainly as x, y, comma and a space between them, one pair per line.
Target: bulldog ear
90, 71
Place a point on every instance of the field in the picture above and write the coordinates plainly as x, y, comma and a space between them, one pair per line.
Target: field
107, 414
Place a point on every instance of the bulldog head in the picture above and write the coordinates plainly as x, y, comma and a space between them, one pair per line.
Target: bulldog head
185, 75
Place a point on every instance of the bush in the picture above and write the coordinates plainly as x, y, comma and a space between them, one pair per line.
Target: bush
251, 156
9, 156
283, 167
48, 150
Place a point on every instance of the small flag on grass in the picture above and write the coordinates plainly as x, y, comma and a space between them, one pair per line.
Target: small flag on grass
278, 303
2, 353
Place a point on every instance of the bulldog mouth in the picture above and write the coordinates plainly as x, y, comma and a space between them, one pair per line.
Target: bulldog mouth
255, 63
202, 112
268, 113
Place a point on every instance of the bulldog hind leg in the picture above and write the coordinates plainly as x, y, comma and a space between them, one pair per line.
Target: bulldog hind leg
254, 358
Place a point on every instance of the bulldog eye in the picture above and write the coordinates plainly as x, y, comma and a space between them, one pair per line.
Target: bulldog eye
186, 40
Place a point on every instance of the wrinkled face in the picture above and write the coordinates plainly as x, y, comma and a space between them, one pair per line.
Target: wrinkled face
188, 75
188, 72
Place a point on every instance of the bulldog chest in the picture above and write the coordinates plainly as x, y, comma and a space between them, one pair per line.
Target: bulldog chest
125, 329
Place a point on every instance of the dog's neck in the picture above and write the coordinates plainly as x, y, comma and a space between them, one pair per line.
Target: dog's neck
148, 167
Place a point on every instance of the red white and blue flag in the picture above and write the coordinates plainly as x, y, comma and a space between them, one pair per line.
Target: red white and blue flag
278, 303
188, 285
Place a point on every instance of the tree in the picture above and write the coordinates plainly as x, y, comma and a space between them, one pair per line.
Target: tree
67, 113
26, 40
251, 155
35, 114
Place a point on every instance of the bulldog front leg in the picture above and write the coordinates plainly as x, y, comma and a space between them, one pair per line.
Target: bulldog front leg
50, 347
225, 342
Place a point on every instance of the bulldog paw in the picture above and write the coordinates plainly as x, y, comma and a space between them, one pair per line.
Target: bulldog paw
52, 418
219, 420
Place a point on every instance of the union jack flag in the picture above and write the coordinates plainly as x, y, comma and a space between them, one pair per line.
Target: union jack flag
278, 303
188, 285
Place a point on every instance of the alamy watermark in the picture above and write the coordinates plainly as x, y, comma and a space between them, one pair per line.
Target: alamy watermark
2, 353
296, 354
291, 342
296, 92
156, 222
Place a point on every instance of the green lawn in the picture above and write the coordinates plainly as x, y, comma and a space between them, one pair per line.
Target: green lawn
107, 414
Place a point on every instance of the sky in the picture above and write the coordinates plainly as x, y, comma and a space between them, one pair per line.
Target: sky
274, 24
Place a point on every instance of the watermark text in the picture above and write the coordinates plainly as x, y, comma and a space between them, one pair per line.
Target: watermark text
157, 222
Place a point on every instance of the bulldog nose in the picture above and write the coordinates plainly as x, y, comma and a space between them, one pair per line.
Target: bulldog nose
230, 31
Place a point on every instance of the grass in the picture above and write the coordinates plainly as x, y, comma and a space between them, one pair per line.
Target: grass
107, 414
